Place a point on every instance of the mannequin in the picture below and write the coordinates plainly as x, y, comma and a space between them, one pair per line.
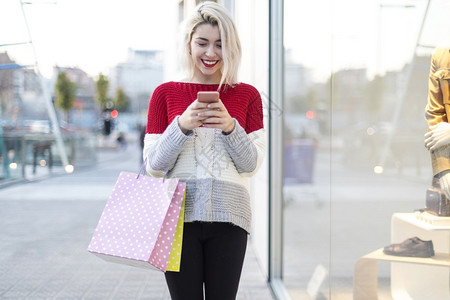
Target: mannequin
437, 110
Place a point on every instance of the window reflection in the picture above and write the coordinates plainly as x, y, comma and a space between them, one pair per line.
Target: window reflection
356, 84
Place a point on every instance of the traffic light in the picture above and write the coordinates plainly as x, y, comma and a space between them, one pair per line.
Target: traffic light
106, 126
114, 113
108, 115
310, 114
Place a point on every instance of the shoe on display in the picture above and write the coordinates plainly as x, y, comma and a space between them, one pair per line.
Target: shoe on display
412, 247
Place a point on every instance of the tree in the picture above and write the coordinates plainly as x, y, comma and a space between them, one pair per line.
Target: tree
65, 93
102, 85
121, 100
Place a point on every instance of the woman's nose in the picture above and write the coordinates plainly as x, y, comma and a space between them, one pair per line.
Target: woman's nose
210, 52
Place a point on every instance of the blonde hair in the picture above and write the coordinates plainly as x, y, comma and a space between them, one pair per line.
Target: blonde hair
216, 15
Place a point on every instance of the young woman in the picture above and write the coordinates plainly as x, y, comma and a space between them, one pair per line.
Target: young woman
213, 147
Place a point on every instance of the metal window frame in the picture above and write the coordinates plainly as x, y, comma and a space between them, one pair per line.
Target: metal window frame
276, 157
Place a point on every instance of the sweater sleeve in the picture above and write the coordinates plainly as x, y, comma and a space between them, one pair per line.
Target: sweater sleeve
435, 110
157, 118
163, 142
246, 150
246, 146
162, 150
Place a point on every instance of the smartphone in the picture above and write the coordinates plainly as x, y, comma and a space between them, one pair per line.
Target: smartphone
208, 97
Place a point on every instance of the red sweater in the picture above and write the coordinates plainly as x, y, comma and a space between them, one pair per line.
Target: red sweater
214, 166
171, 99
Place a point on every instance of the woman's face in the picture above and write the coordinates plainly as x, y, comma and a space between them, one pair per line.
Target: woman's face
206, 53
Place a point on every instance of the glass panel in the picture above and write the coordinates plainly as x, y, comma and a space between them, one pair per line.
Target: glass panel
307, 143
356, 85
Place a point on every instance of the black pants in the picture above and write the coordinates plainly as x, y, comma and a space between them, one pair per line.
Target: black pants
212, 254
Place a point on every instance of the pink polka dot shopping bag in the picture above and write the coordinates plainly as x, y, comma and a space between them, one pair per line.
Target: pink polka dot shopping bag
142, 223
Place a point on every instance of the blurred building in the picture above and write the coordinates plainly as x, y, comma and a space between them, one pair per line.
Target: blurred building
8, 92
141, 73
297, 85
349, 87
20, 92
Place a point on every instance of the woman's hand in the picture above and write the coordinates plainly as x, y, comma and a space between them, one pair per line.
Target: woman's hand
191, 117
216, 116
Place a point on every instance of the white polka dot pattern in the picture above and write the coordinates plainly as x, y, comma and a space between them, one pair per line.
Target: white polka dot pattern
139, 220
175, 253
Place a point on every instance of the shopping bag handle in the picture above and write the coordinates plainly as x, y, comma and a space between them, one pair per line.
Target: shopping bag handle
142, 170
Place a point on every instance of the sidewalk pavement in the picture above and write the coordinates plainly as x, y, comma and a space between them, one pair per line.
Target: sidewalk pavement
46, 226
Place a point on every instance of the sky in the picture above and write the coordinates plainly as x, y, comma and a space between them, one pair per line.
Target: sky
374, 34
95, 35
92, 34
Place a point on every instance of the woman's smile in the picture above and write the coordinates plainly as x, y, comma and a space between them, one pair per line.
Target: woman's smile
209, 63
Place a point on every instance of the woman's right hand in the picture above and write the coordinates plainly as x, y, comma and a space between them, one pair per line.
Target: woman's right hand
190, 118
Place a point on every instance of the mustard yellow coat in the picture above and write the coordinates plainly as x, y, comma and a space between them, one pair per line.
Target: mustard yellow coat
438, 106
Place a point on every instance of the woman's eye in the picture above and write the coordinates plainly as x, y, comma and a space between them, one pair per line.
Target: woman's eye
201, 45
219, 46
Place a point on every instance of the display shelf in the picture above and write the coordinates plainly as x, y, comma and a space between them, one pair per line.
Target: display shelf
439, 259
437, 223
411, 277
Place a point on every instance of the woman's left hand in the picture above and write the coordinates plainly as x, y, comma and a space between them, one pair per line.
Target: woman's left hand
217, 116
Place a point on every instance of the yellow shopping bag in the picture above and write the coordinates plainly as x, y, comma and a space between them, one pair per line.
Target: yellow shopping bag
175, 253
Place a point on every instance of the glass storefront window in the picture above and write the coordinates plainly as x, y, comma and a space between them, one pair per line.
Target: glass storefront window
355, 89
